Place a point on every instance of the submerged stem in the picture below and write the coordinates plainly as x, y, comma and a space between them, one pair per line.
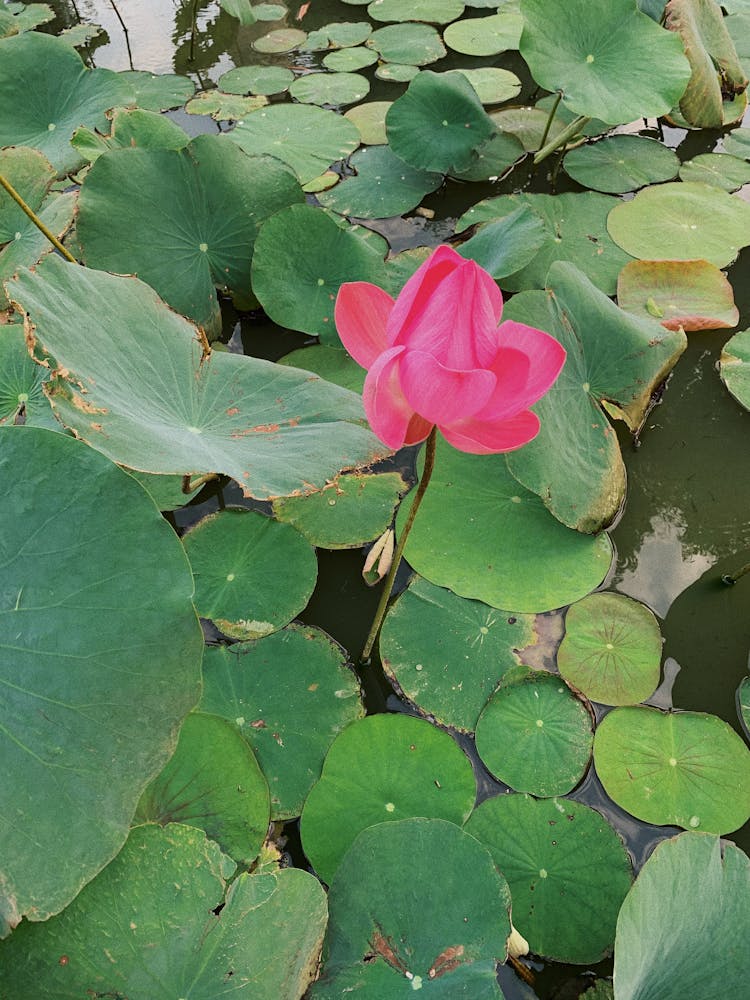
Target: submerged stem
36, 220
562, 138
429, 463
730, 578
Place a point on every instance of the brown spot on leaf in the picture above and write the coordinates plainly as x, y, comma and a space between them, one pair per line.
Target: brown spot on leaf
258, 724
80, 403
447, 961
383, 946
233, 411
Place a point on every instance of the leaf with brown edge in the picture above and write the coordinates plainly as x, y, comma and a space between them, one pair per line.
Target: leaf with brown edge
687, 294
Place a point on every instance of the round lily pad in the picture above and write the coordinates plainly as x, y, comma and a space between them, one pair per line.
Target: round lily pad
530, 124
22, 398
734, 367
687, 769
493, 85
611, 650
719, 169
682, 221
342, 34
485, 36
280, 40
506, 246
431, 11
131, 127
396, 72
289, 694
447, 654
256, 80
381, 769
18, 17
567, 869
379, 942
269, 11
252, 574
159, 91
492, 159
349, 61
330, 88
224, 107
410, 43
370, 121
534, 734
621, 163
687, 294
213, 782
332, 364
737, 143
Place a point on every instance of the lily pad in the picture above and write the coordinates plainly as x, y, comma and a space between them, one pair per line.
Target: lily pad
660, 951
734, 367
687, 769
280, 40
332, 364
131, 128
252, 574
343, 34
224, 107
431, 11
213, 782
621, 163
727, 172
290, 695
493, 85
330, 88
506, 246
611, 651
241, 9
238, 414
692, 294
22, 398
159, 91
737, 143
682, 221
447, 654
349, 61
616, 66
369, 119
410, 43
379, 943
29, 244
529, 124
381, 769
485, 36
484, 536
148, 922
383, 186
534, 734
31, 174
83, 641
492, 159
567, 869
396, 72
256, 80
24, 17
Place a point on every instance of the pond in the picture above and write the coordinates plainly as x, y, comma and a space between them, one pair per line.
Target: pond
669, 519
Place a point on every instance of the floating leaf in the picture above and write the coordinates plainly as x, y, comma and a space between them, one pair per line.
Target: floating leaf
734, 367
492, 159
349, 61
720, 169
224, 107
280, 40
506, 246
24, 17
485, 36
84, 640
159, 92
241, 9
432, 11
383, 186
369, 119
413, 44
396, 72
131, 128
687, 769
342, 34
332, 364
447, 654
289, 694
692, 294
621, 163
22, 398
383, 768
256, 80
330, 88
737, 143
29, 244
31, 174
493, 85
529, 125
567, 869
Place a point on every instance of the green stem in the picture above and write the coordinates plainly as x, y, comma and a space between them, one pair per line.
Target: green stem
561, 139
429, 463
551, 118
36, 220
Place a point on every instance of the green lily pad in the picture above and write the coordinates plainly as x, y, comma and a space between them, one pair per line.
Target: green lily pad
212, 782
159, 91
530, 124
241, 9
413, 44
184, 410
341, 34
22, 398
148, 922
224, 107
485, 36
687, 769
737, 143
492, 159
280, 40
431, 11
396, 72
447, 654
262, 80
378, 941
692, 294
383, 186
83, 641
66, 95
269, 11
616, 66
621, 163
682, 221
131, 127
307, 138
332, 364
304, 242
506, 246
165, 491
80, 35
31, 174
534, 734
484, 536
734, 367
381, 769
348, 513
323, 183
611, 651
289, 694
438, 123
24, 17
567, 869
727, 172
252, 574
660, 949
330, 88
493, 85
401, 266
369, 119
349, 61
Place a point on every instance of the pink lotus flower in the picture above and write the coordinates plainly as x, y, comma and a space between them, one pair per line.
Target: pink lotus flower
436, 356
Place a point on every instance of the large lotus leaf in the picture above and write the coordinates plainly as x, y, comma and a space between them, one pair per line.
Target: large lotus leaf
24, 17
691, 294
438, 123
506, 246
302, 258
29, 244
22, 398
688, 769
144, 393
202, 212
484, 536
131, 127
159, 91
447, 654
95, 625
682, 221
31, 174
621, 163
256, 80
383, 186
611, 650
252, 574
609, 60
432, 11
734, 367
383, 768
147, 928
349, 60
408, 43
307, 138
716, 70
369, 119
493, 85
335, 88
534, 734
224, 107
493, 158
290, 695
724, 171
574, 463
415, 905
568, 872
576, 226
692, 890
213, 782
485, 36
331, 363
65, 95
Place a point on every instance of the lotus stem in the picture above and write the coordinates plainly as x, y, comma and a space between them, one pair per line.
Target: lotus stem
560, 140
550, 119
36, 220
191, 485
731, 578
429, 464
